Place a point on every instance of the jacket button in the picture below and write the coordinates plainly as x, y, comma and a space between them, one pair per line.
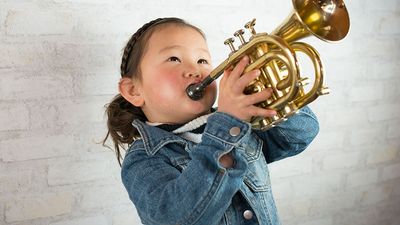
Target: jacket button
248, 214
234, 131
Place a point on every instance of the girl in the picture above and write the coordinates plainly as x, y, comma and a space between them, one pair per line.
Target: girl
188, 163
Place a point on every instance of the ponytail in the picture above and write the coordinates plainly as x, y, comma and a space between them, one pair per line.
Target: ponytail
120, 115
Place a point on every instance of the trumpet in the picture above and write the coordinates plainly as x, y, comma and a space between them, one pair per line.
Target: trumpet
275, 56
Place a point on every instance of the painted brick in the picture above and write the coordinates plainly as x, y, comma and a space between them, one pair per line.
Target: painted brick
364, 177
113, 195
391, 172
125, 217
31, 23
394, 130
14, 86
368, 92
317, 185
324, 221
98, 220
36, 148
13, 116
69, 171
373, 196
46, 205
291, 167
384, 112
382, 155
341, 160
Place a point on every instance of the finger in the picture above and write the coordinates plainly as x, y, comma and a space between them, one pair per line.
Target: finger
246, 79
225, 76
238, 69
258, 96
258, 111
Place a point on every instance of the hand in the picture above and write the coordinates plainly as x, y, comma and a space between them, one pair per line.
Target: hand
233, 101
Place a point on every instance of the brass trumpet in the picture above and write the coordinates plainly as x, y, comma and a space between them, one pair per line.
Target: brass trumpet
275, 56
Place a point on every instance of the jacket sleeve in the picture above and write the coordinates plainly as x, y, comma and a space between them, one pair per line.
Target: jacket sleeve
291, 137
201, 193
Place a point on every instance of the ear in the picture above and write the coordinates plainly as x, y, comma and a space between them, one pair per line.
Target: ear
129, 89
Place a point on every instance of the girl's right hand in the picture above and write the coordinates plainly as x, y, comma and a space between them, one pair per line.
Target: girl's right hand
233, 101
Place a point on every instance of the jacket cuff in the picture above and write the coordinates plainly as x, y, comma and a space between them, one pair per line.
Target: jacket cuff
226, 128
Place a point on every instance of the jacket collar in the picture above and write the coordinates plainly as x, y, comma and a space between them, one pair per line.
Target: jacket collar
155, 138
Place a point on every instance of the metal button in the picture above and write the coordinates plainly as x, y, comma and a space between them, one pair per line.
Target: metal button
234, 131
248, 214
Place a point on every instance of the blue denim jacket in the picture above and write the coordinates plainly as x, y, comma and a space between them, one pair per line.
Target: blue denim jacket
174, 181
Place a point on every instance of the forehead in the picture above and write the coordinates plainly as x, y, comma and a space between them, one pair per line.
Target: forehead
175, 34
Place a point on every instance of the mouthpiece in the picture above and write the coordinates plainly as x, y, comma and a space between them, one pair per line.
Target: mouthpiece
196, 91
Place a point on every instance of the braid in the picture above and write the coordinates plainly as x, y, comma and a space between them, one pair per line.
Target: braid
131, 43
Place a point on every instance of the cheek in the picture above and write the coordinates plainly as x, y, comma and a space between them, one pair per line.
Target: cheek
165, 88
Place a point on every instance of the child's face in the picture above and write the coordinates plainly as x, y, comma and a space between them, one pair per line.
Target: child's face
175, 58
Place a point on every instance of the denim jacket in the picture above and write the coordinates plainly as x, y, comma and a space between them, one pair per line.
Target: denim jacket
174, 181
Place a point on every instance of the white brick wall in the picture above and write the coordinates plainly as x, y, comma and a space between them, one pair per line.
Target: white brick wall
59, 63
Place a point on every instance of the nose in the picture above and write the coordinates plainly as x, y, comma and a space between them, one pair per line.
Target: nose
192, 71
195, 74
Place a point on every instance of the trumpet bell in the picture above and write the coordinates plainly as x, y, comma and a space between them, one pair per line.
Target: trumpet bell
328, 20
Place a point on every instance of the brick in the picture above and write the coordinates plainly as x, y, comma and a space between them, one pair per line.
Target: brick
394, 130
13, 116
339, 117
360, 178
84, 57
341, 161
125, 217
98, 84
367, 92
282, 188
324, 139
382, 155
317, 185
328, 205
98, 220
322, 221
20, 22
46, 205
44, 116
13, 181
301, 208
68, 171
390, 6
25, 55
369, 136
375, 195
291, 167
30, 87
36, 148
391, 172
105, 197
75, 112
384, 112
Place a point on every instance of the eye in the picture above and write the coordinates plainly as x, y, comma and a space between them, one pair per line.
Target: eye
202, 61
174, 59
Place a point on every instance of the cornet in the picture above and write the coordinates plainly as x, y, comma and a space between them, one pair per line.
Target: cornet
275, 56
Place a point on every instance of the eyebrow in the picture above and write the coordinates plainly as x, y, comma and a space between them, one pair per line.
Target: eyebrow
179, 46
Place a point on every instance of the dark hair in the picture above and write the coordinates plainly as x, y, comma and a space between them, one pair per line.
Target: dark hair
120, 113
